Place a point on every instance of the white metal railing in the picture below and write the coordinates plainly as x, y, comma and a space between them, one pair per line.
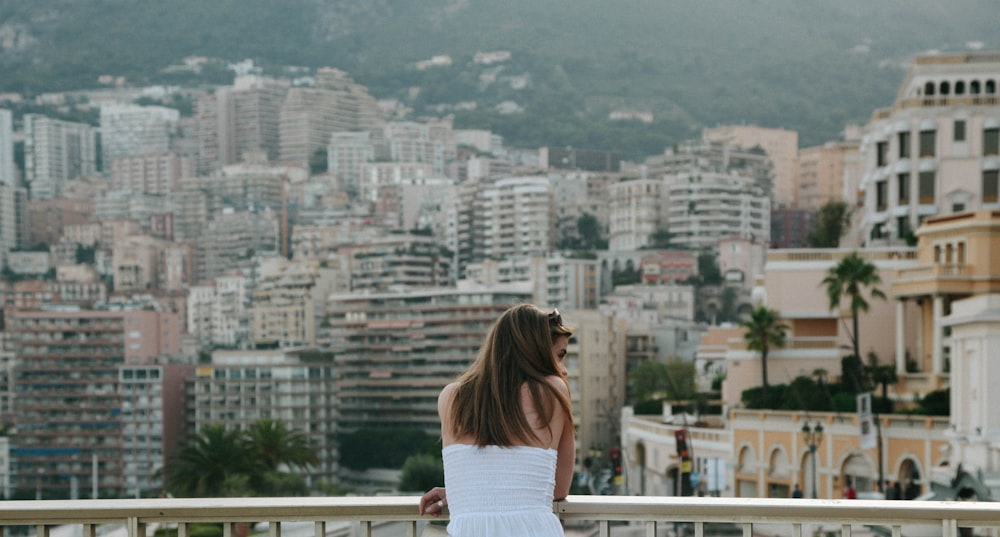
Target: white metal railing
586, 515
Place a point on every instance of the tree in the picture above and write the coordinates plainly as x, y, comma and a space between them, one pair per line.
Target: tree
655, 380
849, 278
421, 472
764, 330
276, 445
205, 462
218, 462
832, 221
589, 229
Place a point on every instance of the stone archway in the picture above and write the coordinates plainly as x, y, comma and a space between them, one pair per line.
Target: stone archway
858, 470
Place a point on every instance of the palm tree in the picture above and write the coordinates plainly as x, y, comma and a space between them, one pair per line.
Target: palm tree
764, 330
849, 278
276, 444
206, 460
217, 462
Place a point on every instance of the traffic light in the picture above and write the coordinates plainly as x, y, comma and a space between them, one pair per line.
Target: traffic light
680, 437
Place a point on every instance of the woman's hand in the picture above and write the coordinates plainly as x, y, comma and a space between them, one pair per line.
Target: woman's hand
433, 502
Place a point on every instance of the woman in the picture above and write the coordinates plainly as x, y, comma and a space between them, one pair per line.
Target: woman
507, 432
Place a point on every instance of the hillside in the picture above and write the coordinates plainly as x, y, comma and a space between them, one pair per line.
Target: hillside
808, 66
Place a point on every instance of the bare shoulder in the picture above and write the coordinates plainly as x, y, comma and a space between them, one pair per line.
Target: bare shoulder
558, 383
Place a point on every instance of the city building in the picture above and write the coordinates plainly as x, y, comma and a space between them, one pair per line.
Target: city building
158, 173
345, 155
556, 281
705, 207
637, 209
47, 219
129, 130
394, 352
511, 217
936, 150
823, 174
71, 405
309, 115
293, 386
287, 302
780, 145
8, 172
239, 120
56, 152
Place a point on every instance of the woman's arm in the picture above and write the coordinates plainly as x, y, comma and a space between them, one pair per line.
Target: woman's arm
566, 447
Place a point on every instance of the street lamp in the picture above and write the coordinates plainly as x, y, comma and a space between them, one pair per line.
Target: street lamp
813, 437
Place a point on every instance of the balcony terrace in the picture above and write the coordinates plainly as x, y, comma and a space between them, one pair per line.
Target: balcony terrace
582, 515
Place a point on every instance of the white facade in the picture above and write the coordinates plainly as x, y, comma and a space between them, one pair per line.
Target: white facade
706, 207
345, 155
8, 173
637, 210
936, 150
130, 130
56, 152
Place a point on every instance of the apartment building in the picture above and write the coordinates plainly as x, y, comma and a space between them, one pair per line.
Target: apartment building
824, 174
231, 240
239, 120
158, 173
294, 386
704, 207
396, 261
345, 155
288, 302
309, 115
69, 367
780, 145
395, 351
556, 281
936, 149
56, 152
510, 217
130, 130
47, 219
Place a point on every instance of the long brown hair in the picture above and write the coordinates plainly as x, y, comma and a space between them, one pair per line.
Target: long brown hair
517, 352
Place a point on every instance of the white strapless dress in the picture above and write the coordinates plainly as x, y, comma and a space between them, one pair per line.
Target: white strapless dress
498, 491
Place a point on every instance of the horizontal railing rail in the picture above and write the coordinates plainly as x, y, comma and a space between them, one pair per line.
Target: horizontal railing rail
745, 517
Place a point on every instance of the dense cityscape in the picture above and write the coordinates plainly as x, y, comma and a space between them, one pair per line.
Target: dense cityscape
296, 258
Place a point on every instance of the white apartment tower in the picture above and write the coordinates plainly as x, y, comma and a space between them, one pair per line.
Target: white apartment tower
704, 208
936, 150
637, 209
56, 152
511, 217
345, 155
130, 130
8, 173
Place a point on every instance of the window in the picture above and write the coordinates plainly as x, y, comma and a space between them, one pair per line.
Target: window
881, 191
990, 187
927, 143
991, 141
959, 130
926, 187
903, 188
904, 145
881, 150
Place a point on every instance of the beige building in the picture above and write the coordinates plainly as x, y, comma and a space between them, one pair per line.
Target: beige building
781, 145
288, 302
136, 262
955, 261
936, 149
822, 176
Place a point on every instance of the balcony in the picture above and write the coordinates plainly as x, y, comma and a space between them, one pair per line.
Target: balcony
582, 515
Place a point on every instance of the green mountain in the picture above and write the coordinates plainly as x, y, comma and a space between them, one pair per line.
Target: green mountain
799, 64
